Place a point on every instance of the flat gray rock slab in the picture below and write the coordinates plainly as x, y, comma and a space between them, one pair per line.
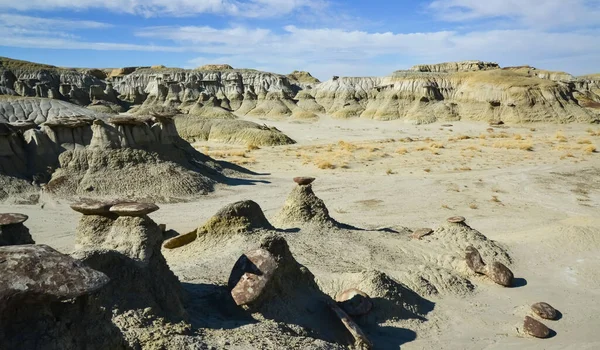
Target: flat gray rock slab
38, 273
12, 219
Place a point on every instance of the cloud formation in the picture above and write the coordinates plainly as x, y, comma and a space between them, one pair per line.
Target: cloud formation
162, 8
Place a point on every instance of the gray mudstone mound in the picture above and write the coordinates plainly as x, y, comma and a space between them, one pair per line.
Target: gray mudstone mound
46, 302
12, 230
239, 217
535, 328
545, 311
303, 207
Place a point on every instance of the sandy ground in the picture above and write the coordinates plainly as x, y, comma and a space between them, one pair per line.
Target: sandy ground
534, 188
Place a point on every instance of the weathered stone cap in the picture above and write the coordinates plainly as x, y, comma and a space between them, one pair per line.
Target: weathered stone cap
133, 209
39, 273
12, 219
304, 180
456, 219
93, 207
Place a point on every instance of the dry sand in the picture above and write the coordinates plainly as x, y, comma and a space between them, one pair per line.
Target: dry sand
534, 189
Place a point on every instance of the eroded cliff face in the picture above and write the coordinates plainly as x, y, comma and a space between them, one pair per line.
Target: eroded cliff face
425, 97
469, 90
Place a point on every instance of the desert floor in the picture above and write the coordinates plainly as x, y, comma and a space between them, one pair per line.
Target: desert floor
534, 188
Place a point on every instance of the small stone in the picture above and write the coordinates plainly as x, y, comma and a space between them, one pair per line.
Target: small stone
181, 240
303, 181
250, 275
474, 261
500, 274
456, 219
545, 310
446, 125
93, 207
535, 328
12, 219
133, 209
355, 302
422, 232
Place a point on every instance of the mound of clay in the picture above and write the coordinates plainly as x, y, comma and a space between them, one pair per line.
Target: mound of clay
44, 302
230, 131
210, 109
243, 217
303, 77
303, 207
12, 230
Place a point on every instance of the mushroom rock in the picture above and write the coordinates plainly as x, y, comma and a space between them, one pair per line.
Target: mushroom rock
545, 310
46, 302
12, 230
128, 250
104, 136
301, 207
354, 302
535, 328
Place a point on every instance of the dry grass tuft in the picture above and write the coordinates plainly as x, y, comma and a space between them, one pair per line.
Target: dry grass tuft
252, 147
508, 144
560, 136
324, 164
389, 172
473, 206
495, 199
590, 149
402, 150
584, 141
427, 170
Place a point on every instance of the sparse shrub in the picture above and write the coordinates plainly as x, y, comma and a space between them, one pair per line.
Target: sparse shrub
560, 136
402, 150
473, 206
589, 149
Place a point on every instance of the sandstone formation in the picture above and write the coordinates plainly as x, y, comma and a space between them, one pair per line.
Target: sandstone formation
469, 90
12, 230
127, 250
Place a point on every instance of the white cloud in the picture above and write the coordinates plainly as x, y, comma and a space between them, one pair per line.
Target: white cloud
531, 13
158, 8
29, 22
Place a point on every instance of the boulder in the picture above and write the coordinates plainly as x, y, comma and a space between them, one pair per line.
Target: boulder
499, 273
250, 276
535, 328
545, 311
303, 180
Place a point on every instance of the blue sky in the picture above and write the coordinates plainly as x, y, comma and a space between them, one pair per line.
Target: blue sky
325, 37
